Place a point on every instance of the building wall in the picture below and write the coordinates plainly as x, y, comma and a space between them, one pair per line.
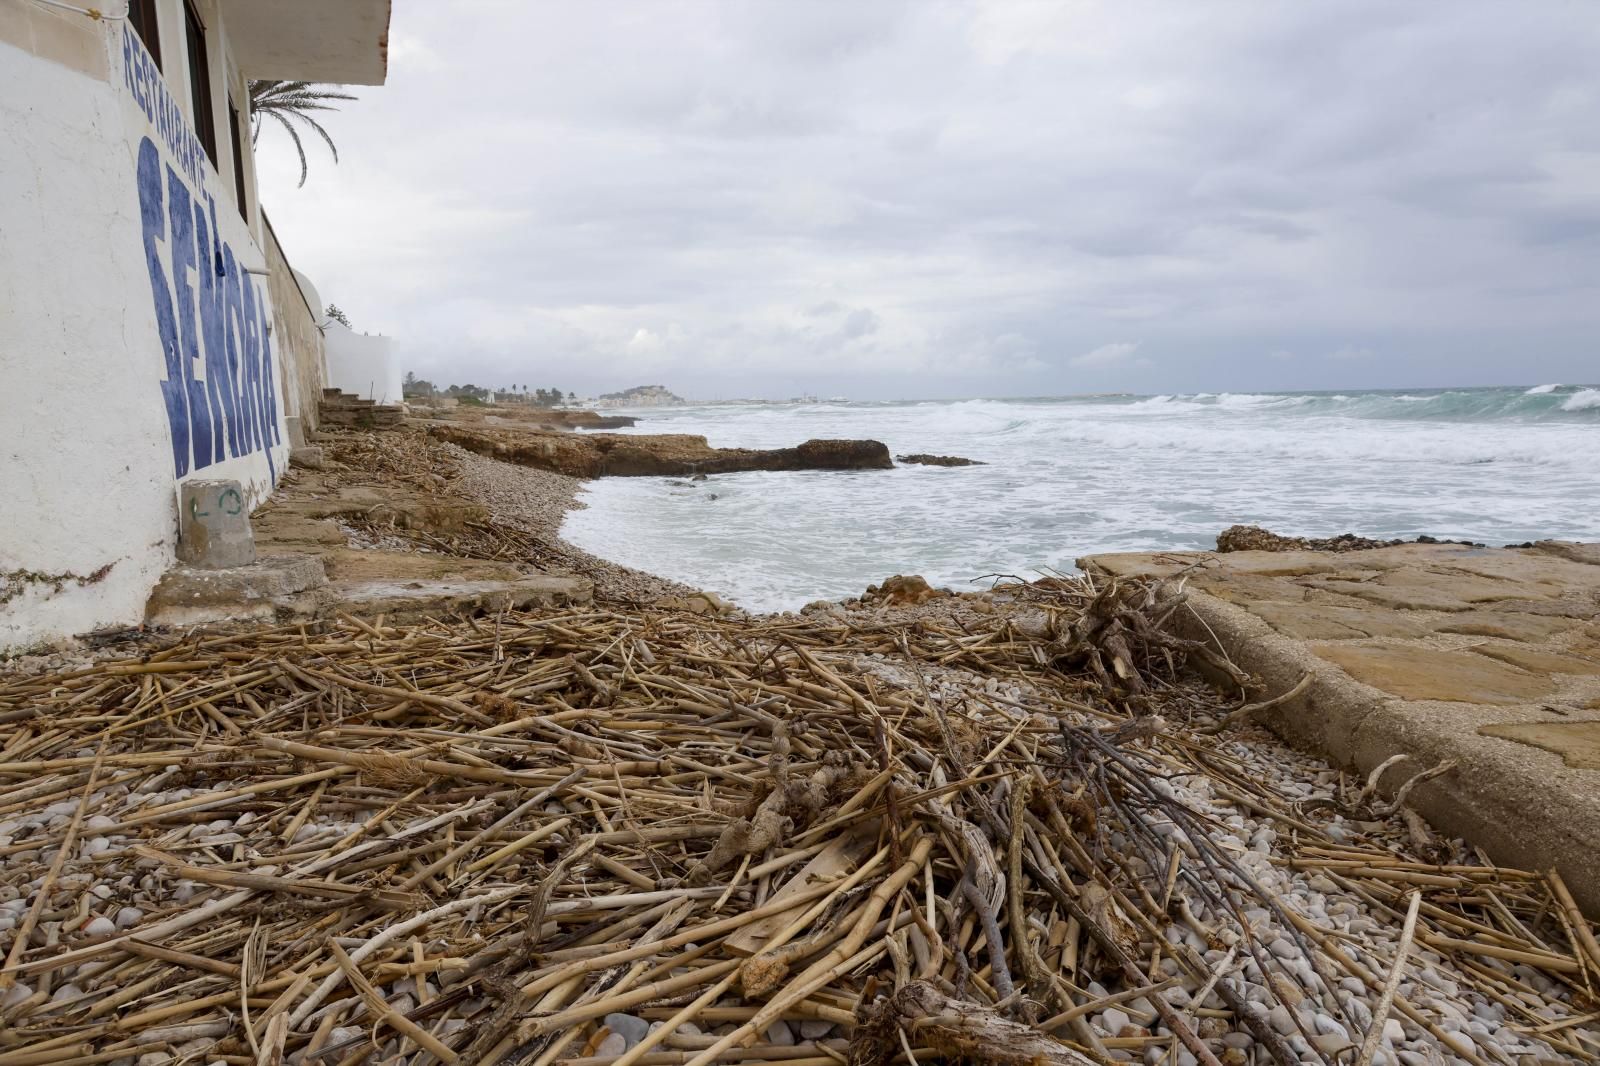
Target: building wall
133, 334
363, 364
302, 352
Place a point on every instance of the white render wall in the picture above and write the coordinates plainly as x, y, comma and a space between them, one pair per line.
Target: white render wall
104, 410
363, 364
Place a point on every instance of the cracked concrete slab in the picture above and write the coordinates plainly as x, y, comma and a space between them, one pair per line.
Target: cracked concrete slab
1422, 673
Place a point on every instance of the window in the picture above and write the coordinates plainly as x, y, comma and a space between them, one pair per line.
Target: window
142, 17
234, 120
205, 123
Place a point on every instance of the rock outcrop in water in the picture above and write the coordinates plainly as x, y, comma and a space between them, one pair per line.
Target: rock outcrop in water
591, 455
1254, 538
938, 460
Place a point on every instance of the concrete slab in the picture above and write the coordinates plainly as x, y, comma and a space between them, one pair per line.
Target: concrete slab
187, 595
1578, 743
1490, 657
1421, 673
414, 601
1507, 625
354, 565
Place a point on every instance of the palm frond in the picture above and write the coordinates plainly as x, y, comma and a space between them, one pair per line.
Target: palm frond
294, 135
314, 124
289, 102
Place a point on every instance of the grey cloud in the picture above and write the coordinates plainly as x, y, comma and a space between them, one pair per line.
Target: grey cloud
966, 197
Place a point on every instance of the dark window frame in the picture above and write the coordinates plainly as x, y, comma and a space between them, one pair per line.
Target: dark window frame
234, 123
142, 17
204, 117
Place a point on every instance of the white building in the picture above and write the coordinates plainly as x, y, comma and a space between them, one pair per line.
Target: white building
363, 364
151, 329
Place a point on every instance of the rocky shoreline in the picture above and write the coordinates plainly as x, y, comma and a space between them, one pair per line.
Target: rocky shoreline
538, 501
1257, 893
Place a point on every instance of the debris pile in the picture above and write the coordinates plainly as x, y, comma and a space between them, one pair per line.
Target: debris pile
644, 838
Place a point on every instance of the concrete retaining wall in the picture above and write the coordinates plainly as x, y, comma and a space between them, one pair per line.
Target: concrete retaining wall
302, 351
132, 333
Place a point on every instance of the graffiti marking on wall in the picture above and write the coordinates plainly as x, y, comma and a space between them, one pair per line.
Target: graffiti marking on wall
229, 502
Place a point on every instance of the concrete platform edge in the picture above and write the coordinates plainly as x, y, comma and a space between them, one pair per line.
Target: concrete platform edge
1535, 820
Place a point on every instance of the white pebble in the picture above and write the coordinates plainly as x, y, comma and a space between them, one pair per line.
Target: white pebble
100, 927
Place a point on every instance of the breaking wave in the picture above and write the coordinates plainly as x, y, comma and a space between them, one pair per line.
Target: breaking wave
1541, 401
1067, 476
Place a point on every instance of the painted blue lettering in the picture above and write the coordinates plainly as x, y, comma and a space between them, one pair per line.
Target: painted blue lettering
233, 328
152, 217
181, 215
210, 301
249, 397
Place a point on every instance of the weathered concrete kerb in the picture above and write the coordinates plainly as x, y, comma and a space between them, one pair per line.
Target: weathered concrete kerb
1488, 657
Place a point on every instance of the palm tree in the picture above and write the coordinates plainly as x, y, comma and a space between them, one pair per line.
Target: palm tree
285, 100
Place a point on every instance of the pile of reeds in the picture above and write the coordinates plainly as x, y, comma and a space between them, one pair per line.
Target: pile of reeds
507, 840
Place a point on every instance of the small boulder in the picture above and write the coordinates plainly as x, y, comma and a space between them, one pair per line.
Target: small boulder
307, 458
903, 589
708, 603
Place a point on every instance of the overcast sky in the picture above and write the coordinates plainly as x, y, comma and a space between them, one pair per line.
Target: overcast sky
924, 199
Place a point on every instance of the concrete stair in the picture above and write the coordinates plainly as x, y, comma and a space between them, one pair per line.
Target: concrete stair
341, 410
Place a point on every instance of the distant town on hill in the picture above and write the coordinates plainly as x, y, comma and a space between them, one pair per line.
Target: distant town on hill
421, 389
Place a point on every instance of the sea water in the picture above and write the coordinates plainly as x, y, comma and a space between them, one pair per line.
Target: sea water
1065, 477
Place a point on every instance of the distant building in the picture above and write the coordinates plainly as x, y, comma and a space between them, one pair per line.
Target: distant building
363, 364
151, 327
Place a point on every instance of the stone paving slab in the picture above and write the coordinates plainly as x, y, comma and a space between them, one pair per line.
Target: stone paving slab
1487, 656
